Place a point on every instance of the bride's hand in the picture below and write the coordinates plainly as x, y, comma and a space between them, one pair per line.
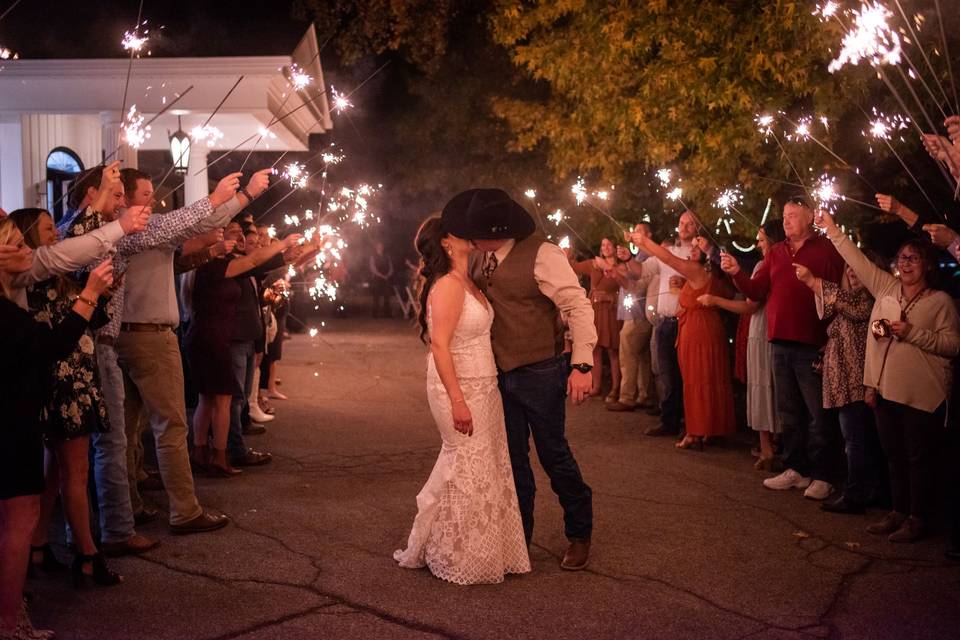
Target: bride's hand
462, 419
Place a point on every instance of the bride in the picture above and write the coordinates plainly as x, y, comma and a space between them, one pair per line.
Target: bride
468, 528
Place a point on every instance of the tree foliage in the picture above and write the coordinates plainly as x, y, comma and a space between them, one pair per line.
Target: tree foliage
675, 84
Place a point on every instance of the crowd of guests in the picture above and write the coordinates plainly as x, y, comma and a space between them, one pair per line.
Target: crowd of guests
842, 353
102, 337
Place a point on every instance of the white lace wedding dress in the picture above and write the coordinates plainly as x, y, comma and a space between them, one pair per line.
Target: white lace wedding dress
468, 528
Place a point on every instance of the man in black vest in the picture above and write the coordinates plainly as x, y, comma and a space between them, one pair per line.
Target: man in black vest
531, 286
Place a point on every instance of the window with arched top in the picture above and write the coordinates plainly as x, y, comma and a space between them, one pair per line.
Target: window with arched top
63, 167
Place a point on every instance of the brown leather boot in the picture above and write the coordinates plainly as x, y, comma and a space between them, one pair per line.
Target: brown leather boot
577, 555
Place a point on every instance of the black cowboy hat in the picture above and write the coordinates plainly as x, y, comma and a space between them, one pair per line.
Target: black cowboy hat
486, 214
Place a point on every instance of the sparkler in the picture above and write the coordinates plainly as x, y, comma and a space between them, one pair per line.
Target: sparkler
299, 78
126, 84
206, 133
884, 127
664, 175
826, 10
825, 192
134, 131
7, 54
579, 191
765, 124
564, 242
340, 102
556, 217
530, 193
675, 195
628, 301
870, 38
133, 41
296, 174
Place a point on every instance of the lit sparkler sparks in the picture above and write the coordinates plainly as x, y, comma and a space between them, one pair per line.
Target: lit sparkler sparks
313, 332
134, 133
564, 242
135, 41
675, 194
579, 191
340, 102
628, 301
556, 217
826, 10
883, 126
291, 220
802, 130
530, 193
331, 158
206, 133
729, 199
825, 192
272, 232
296, 174
871, 38
764, 125
664, 176
299, 78
7, 54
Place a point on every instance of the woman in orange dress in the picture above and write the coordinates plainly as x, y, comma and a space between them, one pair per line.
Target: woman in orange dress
603, 294
701, 346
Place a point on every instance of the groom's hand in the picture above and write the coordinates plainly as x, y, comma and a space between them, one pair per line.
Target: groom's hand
579, 385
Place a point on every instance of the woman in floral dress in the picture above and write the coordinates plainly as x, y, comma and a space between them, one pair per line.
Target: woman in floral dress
76, 408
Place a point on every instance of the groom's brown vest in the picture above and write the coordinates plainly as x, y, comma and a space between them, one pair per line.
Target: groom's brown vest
526, 328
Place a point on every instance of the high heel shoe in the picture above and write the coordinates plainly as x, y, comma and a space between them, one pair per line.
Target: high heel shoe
47, 563
221, 471
99, 573
690, 442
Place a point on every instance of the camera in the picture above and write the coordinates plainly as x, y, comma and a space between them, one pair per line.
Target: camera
881, 329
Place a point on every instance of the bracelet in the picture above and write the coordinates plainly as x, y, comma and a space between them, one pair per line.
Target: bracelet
87, 301
246, 194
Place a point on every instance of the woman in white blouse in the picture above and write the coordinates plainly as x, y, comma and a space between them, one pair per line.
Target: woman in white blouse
914, 332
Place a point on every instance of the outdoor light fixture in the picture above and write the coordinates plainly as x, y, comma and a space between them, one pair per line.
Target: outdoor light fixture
180, 148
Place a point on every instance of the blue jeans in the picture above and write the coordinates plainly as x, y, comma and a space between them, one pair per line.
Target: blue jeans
110, 454
855, 422
799, 393
242, 355
534, 402
671, 405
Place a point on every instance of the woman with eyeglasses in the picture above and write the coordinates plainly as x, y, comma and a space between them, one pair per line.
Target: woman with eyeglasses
914, 332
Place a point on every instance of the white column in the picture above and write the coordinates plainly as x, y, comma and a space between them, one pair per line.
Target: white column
12, 186
111, 127
196, 186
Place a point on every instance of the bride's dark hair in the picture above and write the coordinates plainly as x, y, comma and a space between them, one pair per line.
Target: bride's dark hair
434, 264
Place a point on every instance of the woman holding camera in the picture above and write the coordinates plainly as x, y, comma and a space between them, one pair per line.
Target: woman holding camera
914, 332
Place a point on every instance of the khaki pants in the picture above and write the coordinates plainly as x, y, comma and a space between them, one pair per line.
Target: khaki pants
636, 375
153, 380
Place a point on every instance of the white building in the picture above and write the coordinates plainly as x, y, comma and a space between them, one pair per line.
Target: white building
58, 117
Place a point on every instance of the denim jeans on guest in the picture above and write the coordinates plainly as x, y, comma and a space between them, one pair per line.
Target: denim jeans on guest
110, 454
799, 394
534, 402
671, 403
242, 355
856, 420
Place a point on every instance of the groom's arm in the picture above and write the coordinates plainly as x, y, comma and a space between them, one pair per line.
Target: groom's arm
557, 281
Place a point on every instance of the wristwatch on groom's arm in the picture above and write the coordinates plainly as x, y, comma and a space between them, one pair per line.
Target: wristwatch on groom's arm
582, 367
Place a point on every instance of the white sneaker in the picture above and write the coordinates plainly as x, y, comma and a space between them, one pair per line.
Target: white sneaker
789, 479
818, 490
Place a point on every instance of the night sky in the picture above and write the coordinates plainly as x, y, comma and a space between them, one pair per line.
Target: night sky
48, 29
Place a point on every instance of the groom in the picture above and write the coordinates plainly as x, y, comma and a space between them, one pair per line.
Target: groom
530, 284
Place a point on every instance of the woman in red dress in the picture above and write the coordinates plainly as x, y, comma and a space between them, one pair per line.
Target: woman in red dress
701, 346
603, 294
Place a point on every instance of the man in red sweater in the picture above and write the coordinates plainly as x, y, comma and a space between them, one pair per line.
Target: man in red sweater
797, 334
